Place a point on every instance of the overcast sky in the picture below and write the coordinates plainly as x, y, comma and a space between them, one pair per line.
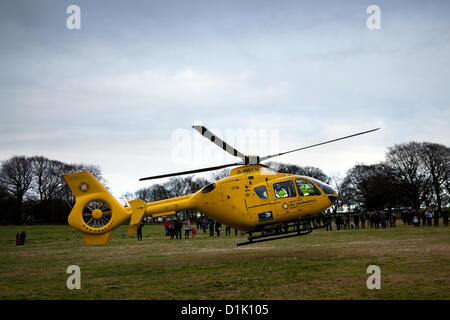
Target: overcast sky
124, 90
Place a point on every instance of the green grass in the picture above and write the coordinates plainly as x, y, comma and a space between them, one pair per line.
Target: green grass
414, 262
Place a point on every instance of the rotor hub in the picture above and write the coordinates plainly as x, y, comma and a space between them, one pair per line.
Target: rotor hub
97, 214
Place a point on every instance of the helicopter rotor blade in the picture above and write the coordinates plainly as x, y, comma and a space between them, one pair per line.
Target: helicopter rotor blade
317, 144
219, 142
191, 171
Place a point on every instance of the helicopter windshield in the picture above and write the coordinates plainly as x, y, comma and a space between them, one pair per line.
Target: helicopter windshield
306, 188
325, 187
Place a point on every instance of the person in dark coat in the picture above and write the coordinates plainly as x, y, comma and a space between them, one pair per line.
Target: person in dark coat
178, 225
218, 228
436, 215
18, 242
211, 227
139, 231
171, 230
356, 220
445, 217
23, 235
328, 222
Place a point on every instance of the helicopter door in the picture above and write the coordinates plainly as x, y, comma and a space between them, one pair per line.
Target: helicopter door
258, 204
285, 198
308, 195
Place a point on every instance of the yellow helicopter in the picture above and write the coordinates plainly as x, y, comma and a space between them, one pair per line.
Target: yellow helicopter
254, 198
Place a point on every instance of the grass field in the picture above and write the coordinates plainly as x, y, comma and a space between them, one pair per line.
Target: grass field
414, 262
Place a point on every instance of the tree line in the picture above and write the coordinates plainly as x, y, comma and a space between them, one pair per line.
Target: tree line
32, 189
413, 175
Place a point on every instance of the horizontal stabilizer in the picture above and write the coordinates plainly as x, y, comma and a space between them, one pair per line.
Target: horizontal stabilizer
137, 213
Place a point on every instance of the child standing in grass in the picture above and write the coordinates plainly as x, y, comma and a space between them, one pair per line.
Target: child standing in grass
194, 232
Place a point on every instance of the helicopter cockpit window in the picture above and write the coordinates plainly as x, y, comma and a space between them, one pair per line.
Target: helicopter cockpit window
284, 189
306, 188
261, 191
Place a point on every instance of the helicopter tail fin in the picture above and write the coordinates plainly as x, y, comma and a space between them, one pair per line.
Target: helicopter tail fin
96, 212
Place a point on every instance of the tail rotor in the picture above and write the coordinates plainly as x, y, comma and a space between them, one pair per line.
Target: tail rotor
97, 214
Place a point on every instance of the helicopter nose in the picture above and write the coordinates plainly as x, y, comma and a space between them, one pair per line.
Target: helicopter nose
332, 191
333, 198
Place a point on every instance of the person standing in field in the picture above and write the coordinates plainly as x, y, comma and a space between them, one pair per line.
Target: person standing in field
347, 221
139, 231
204, 225
23, 235
416, 221
171, 230
436, 217
218, 228
228, 230
166, 227
194, 232
445, 217
178, 225
429, 216
18, 239
356, 220
187, 228
211, 227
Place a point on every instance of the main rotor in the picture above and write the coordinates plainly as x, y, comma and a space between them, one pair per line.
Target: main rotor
245, 159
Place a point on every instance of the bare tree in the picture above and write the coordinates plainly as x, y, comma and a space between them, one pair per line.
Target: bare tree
308, 171
406, 161
436, 158
127, 197
217, 175
48, 180
16, 176
371, 187
336, 181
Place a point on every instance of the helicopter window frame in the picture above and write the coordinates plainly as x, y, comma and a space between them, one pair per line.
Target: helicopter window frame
290, 189
310, 184
262, 192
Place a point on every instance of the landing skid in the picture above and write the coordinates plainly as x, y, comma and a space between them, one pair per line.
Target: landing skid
287, 229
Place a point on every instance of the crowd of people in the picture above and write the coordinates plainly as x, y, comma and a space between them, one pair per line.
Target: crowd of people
358, 220
173, 228
382, 219
372, 219
428, 217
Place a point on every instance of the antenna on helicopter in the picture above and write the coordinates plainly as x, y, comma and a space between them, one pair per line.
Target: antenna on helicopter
246, 159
